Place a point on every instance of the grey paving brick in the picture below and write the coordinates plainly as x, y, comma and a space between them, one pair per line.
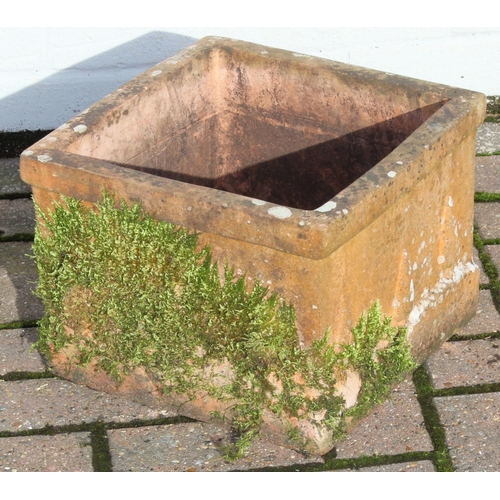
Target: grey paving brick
488, 138
488, 174
16, 354
10, 180
465, 363
18, 276
487, 217
59, 453
472, 425
16, 216
397, 426
486, 320
420, 466
190, 447
33, 404
494, 251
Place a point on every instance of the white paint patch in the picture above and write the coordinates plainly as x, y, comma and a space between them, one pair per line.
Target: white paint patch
441, 259
345, 211
450, 201
302, 223
329, 205
44, 158
156, 72
264, 52
391, 174
280, 212
80, 129
258, 202
399, 162
28, 152
314, 307
415, 266
412, 291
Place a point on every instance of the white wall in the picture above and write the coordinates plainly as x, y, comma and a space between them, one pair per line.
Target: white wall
49, 74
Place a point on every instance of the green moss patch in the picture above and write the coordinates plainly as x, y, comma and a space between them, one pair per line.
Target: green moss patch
124, 291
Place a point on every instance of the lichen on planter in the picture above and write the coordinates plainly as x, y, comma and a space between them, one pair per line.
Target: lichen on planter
125, 292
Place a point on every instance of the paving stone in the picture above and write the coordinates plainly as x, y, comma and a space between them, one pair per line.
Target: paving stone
59, 453
486, 320
488, 138
190, 447
17, 216
18, 277
488, 174
10, 180
487, 217
420, 466
483, 277
397, 426
33, 404
465, 363
472, 426
494, 252
16, 354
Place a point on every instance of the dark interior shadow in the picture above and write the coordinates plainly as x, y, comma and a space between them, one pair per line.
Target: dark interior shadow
308, 178
57, 98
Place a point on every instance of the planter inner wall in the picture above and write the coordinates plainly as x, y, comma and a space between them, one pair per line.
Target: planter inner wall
275, 132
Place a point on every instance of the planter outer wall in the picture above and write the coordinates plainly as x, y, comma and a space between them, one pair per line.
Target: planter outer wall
209, 140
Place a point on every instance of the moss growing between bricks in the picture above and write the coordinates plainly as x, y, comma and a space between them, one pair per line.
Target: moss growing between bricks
124, 291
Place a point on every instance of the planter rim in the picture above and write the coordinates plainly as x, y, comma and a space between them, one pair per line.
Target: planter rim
313, 234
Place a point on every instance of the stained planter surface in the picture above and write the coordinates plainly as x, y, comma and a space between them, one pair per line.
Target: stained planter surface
334, 185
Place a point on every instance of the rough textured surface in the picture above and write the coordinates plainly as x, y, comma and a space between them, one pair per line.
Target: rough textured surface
422, 466
483, 277
59, 453
338, 160
488, 174
17, 216
191, 447
472, 425
402, 429
487, 217
486, 319
16, 353
469, 362
32, 404
11, 180
18, 277
488, 138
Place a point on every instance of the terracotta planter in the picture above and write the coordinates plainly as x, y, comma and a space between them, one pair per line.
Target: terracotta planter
334, 185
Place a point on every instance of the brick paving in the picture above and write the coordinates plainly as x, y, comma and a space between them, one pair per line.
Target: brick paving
445, 417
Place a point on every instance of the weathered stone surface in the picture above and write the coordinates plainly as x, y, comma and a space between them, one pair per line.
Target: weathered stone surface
10, 180
16, 353
33, 404
487, 217
347, 176
59, 453
397, 426
17, 216
472, 425
486, 320
464, 363
18, 277
488, 174
191, 447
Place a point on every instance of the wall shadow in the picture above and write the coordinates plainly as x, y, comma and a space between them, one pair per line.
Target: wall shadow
57, 98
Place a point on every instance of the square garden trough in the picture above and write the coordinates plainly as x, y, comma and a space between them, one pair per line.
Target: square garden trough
334, 186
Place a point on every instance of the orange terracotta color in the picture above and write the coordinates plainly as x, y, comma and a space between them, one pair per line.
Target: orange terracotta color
333, 184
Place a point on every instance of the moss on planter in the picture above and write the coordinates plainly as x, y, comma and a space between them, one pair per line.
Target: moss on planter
125, 291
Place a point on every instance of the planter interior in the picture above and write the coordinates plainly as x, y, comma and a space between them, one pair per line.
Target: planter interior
334, 185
